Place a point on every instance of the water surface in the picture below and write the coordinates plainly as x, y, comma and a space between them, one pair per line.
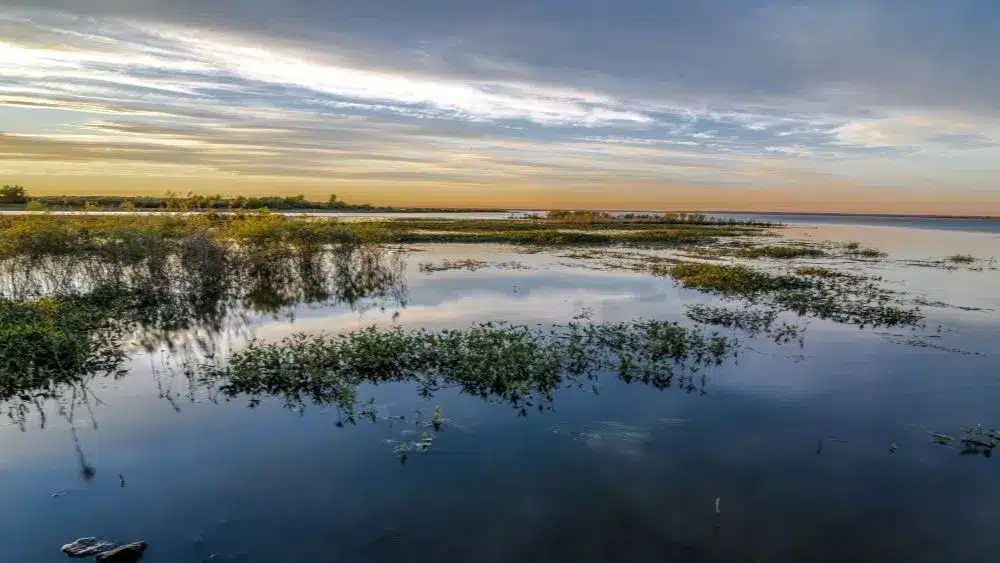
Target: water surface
816, 452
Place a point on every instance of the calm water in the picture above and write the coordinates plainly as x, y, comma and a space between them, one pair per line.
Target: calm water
935, 223
622, 472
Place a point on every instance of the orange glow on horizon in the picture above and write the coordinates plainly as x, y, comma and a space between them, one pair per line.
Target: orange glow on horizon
830, 199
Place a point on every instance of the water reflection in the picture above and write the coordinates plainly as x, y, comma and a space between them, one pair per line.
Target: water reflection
65, 321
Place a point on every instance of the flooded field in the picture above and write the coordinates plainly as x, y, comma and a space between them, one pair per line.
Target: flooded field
806, 393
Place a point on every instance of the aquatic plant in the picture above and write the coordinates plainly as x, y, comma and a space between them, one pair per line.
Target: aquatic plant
784, 252
843, 299
138, 236
976, 440
501, 362
961, 258
731, 279
51, 342
60, 333
753, 321
855, 250
463, 264
64, 321
819, 272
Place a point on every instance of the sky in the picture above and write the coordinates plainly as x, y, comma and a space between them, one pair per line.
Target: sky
781, 105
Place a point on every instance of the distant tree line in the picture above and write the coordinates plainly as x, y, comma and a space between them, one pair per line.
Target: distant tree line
13, 195
176, 202
17, 195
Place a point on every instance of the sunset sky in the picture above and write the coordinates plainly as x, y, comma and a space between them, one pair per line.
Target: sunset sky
841, 105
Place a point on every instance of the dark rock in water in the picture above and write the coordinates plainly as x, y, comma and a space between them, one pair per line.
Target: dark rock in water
129, 553
86, 547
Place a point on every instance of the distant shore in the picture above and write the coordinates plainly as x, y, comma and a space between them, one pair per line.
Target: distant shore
377, 210
833, 214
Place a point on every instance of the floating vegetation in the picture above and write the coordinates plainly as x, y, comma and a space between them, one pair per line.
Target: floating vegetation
965, 262
753, 321
731, 280
500, 362
780, 252
975, 440
470, 265
924, 302
464, 264
923, 343
855, 250
820, 272
851, 300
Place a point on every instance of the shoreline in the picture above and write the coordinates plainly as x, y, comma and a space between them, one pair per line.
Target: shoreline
378, 211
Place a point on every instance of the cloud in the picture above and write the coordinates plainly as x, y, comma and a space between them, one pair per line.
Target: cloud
564, 96
922, 132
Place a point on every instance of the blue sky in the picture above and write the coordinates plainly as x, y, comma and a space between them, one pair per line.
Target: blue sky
846, 105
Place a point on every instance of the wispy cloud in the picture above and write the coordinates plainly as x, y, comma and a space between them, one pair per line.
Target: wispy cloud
792, 101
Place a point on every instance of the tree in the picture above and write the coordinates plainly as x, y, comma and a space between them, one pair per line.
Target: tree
13, 194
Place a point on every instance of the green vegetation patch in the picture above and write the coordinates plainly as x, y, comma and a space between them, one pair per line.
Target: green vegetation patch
500, 362
844, 299
820, 272
731, 280
780, 252
137, 236
47, 341
855, 250
753, 321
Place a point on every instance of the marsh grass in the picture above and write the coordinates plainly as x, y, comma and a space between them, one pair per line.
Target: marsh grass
135, 236
66, 320
961, 259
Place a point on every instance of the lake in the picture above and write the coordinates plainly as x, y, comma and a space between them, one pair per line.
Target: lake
828, 447
990, 225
